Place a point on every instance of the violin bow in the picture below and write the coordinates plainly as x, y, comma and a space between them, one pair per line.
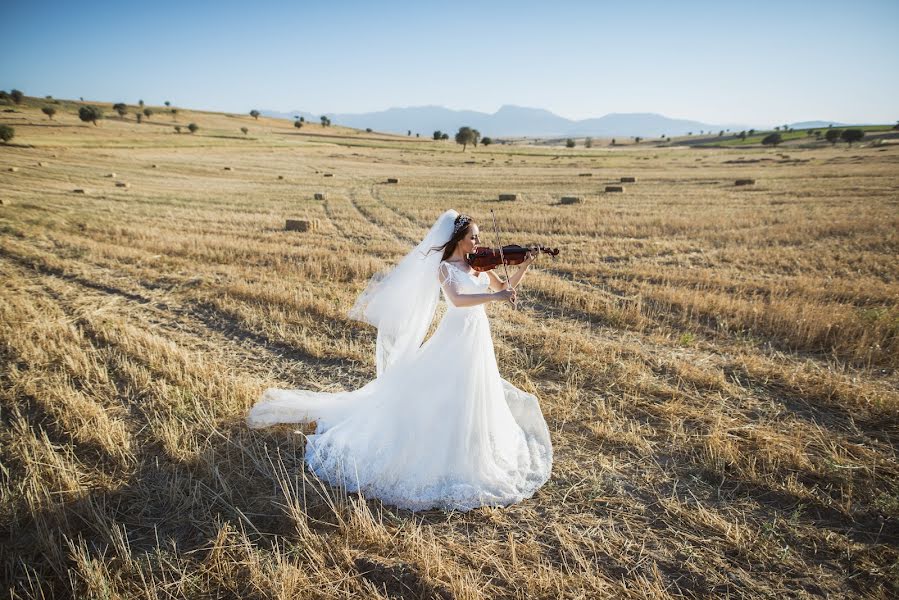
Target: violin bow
501, 257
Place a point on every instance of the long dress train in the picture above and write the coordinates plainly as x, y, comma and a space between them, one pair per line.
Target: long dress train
441, 429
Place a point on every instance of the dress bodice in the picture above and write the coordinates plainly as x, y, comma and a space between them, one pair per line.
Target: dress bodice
464, 281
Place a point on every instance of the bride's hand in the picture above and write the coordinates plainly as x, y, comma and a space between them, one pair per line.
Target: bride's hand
507, 294
531, 257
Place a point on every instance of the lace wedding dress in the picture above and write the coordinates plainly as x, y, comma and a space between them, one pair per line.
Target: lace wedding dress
438, 429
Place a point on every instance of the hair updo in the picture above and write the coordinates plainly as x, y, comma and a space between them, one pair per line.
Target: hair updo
461, 227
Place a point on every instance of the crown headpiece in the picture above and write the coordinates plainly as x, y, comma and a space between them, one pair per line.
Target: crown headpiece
461, 223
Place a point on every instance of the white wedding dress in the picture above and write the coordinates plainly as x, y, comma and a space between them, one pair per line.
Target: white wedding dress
439, 429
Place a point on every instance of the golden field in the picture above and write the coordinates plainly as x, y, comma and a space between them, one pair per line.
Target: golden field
717, 364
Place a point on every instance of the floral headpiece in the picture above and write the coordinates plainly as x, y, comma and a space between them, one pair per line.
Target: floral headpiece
461, 223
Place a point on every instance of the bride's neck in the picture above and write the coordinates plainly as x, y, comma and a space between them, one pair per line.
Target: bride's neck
457, 255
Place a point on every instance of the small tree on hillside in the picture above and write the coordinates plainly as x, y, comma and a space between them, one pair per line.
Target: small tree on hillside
569, 143
833, 136
638, 139
588, 143
174, 114
193, 127
245, 130
148, 113
852, 135
438, 134
445, 136
772, 139
742, 135
752, 132
465, 136
90, 114
487, 141
255, 114
139, 116
167, 103
120, 108
326, 122
16, 96
49, 111
298, 124
140, 103
177, 128
6, 133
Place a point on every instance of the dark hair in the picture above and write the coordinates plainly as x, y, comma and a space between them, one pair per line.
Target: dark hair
450, 247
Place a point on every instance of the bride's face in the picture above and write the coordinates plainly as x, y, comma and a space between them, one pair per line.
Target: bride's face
471, 240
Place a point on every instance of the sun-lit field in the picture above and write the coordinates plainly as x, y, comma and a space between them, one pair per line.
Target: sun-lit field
717, 363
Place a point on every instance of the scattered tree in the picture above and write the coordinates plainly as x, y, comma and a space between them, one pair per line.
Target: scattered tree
487, 141
4, 95
742, 135
326, 122
721, 133
569, 143
121, 109
638, 139
368, 130
90, 114
298, 124
752, 132
148, 113
418, 135
409, 132
177, 128
49, 111
613, 142
193, 127
772, 139
833, 136
245, 130
445, 136
438, 135
167, 103
16, 96
140, 103
588, 142
302, 119
140, 116
7, 133
852, 135
255, 114
174, 114
465, 136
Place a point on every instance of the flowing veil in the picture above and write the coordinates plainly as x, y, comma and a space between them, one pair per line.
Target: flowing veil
401, 302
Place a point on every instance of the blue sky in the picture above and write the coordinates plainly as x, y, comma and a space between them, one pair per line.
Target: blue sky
755, 62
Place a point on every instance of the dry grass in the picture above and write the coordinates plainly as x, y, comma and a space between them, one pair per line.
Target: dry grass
717, 365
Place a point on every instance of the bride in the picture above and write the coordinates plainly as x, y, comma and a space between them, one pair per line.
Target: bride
438, 427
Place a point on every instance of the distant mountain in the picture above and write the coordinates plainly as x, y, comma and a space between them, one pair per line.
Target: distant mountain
511, 121
811, 124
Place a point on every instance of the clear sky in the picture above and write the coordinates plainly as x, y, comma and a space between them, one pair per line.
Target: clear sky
755, 62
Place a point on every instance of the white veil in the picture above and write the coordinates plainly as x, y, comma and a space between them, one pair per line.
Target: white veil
401, 302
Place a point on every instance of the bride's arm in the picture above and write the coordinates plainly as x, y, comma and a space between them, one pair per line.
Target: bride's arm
498, 284
461, 300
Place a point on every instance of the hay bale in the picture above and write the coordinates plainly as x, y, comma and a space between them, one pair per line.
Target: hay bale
228, 169
329, 174
112, 175
319, 196
585, 174
508, 197
13, 169
744, 182
302, 224
628, 180
2, 201
471, 162
615, 188
571, 200
122, 184
79, 191
392, 180
280, 176
154, 166
41, 164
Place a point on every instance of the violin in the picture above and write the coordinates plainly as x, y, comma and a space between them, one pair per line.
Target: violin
485, 259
